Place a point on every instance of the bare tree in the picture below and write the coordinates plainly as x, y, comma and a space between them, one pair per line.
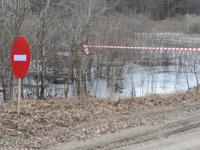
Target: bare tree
12, 17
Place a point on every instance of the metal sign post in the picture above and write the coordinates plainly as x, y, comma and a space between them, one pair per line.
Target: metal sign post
20, 62
19, 96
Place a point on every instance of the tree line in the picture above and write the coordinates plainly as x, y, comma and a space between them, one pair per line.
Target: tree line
58, 29
159, 9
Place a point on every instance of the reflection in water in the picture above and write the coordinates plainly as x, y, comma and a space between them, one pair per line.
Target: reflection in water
135, 81
139, 81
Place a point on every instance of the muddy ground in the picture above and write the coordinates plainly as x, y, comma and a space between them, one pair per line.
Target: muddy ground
45, 124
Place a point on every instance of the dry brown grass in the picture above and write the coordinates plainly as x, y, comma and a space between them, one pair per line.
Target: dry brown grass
47, 122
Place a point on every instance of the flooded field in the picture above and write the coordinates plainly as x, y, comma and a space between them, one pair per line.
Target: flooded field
134, 81
141, 81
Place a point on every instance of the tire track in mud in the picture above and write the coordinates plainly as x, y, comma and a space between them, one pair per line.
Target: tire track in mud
179, 120
170, 129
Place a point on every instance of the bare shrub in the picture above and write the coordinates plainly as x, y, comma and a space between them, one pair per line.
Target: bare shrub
192, 24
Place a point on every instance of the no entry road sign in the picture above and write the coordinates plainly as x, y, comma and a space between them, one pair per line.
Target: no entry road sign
20, 57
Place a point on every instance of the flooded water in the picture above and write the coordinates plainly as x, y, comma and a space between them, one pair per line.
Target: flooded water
134, 81
142, 81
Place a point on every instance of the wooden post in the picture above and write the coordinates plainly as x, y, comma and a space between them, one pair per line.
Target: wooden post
19, 95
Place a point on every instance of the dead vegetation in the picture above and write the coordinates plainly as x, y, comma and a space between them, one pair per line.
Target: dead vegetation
46, 123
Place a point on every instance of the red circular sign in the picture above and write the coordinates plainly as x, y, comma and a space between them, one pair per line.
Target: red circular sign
20, 57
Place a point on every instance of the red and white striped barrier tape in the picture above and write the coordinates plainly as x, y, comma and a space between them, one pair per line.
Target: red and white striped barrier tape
87, 47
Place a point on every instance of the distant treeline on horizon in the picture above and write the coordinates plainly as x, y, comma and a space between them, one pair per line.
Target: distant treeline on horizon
155, 9
159, 9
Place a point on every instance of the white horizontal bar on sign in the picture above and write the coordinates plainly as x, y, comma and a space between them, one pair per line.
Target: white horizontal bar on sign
20, 58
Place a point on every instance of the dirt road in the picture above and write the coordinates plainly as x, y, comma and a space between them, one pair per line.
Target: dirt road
169, 137
188, 141
180, 130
